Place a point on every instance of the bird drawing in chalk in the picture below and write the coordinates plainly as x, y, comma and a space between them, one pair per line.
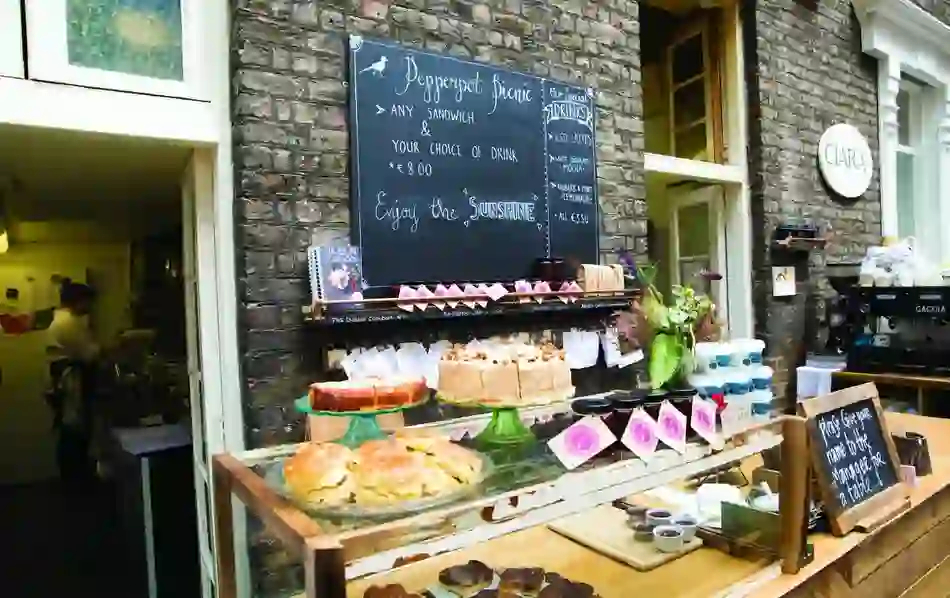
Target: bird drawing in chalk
377, 68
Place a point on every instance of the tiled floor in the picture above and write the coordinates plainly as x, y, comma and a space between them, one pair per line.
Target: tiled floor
60, 543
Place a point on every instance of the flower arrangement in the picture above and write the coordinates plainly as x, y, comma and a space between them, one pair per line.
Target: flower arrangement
670, 331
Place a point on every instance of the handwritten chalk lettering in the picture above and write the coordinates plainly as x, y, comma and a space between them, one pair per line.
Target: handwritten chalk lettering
836, 454
504, 154
405, 147
419, 169
395, 214
440, 212
572, 111
584, 139
500, 91
577, 198
830, 428
437, 148
476, 152
401, 110
425, 129
573, 217
576, 164
465, 117
511, 211
433, 85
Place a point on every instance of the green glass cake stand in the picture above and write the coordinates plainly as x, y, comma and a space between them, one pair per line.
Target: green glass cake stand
505, 430
363, 426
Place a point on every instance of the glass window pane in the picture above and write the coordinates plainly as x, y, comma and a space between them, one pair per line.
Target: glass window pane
691, 274
903, 117
905, 195
693, 222
691, 143
689, 103
137, 37
688, 59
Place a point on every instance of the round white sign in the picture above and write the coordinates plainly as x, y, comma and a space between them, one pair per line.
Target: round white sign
844, 158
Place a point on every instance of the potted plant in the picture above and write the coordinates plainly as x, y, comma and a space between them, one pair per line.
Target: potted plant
669, 331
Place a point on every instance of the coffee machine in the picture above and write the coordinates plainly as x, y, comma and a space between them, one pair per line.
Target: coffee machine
838, 312
900, 330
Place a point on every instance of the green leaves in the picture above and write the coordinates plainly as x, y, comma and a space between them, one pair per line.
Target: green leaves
666, 354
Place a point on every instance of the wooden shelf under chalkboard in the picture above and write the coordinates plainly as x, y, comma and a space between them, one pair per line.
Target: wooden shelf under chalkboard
333, 313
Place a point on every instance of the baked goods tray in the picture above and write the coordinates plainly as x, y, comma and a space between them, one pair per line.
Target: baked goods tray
273, 474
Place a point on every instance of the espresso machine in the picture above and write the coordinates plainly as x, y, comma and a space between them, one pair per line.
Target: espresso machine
838, 314
900, 330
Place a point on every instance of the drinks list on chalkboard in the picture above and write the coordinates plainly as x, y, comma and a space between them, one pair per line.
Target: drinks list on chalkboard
854, 453
465, 171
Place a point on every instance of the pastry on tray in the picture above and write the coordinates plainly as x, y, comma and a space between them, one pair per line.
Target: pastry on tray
409, 466
393, 590
565, 588
366, 395
497, 593
467, 580
526, 581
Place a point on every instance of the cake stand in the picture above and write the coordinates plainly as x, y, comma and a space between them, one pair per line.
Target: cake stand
363, 425
505, 430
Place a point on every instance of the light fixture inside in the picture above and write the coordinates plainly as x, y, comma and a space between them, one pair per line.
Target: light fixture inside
4, 241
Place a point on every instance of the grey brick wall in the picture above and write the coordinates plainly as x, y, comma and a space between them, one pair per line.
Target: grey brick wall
291, 150
291, 155
805, 72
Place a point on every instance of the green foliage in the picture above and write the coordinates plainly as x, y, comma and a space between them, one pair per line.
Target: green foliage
673, 326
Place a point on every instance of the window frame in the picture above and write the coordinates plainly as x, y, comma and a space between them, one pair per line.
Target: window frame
11, 39
48, 55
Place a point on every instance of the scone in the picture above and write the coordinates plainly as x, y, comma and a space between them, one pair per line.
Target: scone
458, 462
321, 474
468, 579
388, 473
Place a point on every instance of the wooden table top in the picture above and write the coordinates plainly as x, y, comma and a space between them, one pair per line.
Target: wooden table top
705, 573
905, 380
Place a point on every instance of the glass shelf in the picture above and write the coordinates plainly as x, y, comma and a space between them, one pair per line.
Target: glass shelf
523, 489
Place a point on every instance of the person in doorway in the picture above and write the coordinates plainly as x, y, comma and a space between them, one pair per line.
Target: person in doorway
74, 355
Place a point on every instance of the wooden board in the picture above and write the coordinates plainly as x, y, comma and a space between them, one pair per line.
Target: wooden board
605, 530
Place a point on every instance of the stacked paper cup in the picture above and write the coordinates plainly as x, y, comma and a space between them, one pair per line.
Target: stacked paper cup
734, 370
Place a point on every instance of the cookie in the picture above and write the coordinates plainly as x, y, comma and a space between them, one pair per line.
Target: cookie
526, 580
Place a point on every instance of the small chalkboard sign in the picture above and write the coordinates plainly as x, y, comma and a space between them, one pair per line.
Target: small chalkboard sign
465, 171
854, 458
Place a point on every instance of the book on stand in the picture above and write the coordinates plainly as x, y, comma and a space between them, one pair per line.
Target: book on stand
336, 273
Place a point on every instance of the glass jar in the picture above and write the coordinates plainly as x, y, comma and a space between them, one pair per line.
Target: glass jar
623, 403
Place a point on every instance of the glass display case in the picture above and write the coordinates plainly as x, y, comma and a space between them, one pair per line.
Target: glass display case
518, 516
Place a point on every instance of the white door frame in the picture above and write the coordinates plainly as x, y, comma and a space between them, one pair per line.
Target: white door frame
209, 223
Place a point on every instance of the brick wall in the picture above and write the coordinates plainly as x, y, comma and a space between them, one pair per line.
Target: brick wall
805, 72
291, 143
291, 150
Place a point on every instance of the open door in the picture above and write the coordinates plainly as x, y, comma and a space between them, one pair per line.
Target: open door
206, 422
698, 242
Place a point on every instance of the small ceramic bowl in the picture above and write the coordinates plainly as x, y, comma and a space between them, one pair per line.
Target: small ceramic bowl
659, 517
668, 538
643, 532
688, 524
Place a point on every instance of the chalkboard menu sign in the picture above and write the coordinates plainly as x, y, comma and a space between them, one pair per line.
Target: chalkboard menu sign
853, 454
464, 171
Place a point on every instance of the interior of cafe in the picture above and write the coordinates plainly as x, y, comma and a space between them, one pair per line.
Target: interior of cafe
101, 217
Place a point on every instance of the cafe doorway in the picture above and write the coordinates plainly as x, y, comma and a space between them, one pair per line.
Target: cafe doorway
117, 216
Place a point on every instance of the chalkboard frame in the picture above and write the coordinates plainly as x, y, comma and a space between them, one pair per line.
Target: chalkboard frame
356, 201
878, 508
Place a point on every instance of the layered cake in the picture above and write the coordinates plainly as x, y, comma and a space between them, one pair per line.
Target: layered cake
509, 374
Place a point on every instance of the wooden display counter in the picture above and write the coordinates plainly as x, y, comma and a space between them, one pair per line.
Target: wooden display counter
905, 557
